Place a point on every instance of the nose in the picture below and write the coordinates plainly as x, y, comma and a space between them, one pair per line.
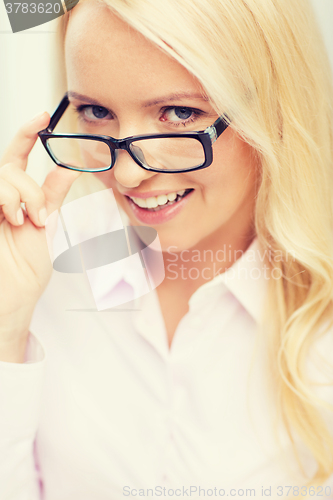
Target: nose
127, 172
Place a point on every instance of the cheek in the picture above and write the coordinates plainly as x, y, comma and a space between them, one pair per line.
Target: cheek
106, 178
235, 163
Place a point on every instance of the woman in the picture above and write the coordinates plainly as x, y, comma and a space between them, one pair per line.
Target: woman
219, 397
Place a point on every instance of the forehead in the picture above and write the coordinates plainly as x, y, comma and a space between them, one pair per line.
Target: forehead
103, 53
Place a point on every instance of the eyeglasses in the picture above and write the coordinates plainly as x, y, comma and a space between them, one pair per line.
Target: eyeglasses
167, 153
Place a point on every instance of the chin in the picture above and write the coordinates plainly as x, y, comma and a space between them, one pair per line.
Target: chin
176, 245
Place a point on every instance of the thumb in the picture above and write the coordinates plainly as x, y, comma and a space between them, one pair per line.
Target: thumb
56, 187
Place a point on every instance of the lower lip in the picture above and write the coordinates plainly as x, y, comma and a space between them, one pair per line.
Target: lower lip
161, 216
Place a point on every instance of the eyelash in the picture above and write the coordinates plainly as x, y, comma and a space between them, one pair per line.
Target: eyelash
196, 113
80, 109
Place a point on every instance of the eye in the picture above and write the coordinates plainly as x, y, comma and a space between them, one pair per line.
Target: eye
99, 112
180, 115
183, 113
93, 113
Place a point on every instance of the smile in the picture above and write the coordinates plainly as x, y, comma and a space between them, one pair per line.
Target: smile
155, 203
158, 212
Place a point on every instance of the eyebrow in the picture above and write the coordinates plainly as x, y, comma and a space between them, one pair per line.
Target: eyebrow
85, 98
176, 97
171, 97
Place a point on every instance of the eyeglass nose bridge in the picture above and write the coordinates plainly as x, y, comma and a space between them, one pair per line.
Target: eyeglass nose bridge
121, 144
116, 144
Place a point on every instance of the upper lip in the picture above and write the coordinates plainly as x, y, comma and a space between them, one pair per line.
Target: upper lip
150, 194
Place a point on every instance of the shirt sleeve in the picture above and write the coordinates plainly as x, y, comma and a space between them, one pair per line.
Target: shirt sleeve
20, 403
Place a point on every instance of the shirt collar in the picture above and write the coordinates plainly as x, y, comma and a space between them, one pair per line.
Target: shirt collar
246, 279
129, 269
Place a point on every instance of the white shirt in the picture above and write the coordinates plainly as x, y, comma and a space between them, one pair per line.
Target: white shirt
102, 409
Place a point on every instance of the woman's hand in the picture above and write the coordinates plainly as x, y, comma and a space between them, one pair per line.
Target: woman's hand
25, 265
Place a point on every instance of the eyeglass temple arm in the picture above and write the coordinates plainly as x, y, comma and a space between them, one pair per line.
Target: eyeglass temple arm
58, 113
218, 127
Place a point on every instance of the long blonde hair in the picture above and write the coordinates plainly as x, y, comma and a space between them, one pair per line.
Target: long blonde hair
263, 61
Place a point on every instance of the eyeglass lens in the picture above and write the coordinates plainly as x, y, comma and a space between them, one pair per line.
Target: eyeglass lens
174, 153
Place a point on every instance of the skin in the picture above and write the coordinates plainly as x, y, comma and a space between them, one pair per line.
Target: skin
222, 207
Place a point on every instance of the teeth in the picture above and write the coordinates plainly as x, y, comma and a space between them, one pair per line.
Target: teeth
139, 201
155, 201
162, 199
152, 202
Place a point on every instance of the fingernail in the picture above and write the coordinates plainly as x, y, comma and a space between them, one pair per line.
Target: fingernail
42, 216
20, 216
36, 118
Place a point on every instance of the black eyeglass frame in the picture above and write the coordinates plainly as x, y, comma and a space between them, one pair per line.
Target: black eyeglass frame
206, 137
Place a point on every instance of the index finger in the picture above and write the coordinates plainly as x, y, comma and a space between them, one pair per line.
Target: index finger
23, 142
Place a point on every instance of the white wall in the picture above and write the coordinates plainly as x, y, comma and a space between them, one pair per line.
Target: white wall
324, 11
25, 85
26, 68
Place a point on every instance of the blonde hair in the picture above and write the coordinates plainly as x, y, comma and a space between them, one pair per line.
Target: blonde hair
263, 62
